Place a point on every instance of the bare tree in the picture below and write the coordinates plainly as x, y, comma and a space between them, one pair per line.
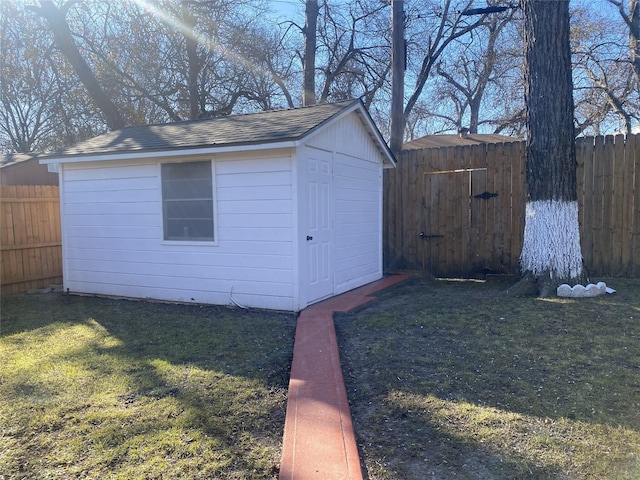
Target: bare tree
62, 34
472, 72
605, 84
630, 13
353, 55
441, 23
43, 106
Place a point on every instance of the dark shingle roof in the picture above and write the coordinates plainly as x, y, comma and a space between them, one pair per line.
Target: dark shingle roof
248, 129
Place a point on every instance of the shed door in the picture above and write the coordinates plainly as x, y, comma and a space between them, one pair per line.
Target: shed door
319, 232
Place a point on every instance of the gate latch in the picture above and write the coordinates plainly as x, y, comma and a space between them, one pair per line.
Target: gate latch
424, 235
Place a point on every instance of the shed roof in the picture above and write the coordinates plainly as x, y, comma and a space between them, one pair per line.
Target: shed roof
233, 132
455, 140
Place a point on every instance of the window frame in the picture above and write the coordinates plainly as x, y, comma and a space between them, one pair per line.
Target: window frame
214, 217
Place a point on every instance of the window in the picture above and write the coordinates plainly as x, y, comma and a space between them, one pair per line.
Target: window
187, 201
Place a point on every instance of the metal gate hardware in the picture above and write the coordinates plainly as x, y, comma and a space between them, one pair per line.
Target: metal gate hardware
424, 235
486, 195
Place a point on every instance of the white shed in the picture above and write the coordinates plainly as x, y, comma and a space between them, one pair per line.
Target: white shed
274, 210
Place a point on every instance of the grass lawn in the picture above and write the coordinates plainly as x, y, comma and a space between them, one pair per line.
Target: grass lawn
453, 379
112, 389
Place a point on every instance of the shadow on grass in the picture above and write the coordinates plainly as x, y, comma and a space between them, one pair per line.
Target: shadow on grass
203, 387
478, 372
255, 344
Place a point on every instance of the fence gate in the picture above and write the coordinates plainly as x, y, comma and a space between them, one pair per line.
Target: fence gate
456, 237
455, 212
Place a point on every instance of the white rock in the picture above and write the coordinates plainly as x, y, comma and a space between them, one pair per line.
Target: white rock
564, 290
580, 291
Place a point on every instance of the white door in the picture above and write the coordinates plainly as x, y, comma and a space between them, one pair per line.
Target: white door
318, 237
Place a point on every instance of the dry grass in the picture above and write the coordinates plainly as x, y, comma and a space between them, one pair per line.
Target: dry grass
455, 380
94, 388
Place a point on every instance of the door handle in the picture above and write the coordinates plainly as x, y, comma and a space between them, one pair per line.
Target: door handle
309, 237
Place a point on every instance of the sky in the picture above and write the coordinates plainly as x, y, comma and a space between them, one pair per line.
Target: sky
288, 9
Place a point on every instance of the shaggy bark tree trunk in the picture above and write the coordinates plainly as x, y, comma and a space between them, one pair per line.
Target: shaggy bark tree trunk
551, 251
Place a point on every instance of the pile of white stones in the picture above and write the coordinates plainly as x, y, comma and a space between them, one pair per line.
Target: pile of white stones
580, 291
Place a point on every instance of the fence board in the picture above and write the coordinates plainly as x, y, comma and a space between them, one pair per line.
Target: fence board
607, 202
608, 170
584, 148
30, 241
518, 201
617, 215
633, 154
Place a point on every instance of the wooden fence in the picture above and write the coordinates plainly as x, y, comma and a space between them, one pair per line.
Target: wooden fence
459, 211
30, 241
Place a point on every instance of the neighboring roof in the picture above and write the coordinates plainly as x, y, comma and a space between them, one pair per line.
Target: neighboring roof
13, 158
455, 140
24, 169
233, 132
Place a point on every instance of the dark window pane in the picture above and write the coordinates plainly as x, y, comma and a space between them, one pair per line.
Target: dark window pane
187, 197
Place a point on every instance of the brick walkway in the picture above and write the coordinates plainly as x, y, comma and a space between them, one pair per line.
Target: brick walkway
318, 434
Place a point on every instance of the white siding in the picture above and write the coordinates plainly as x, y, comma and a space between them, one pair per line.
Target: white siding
356, 203
358, 227
114, 246
347, 136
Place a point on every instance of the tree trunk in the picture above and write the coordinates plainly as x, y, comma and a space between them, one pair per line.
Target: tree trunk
397, 76
63, 38
309, 63
193, 68
634, 38
551, 251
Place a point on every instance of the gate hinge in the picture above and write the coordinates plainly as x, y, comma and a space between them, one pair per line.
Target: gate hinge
486, 195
